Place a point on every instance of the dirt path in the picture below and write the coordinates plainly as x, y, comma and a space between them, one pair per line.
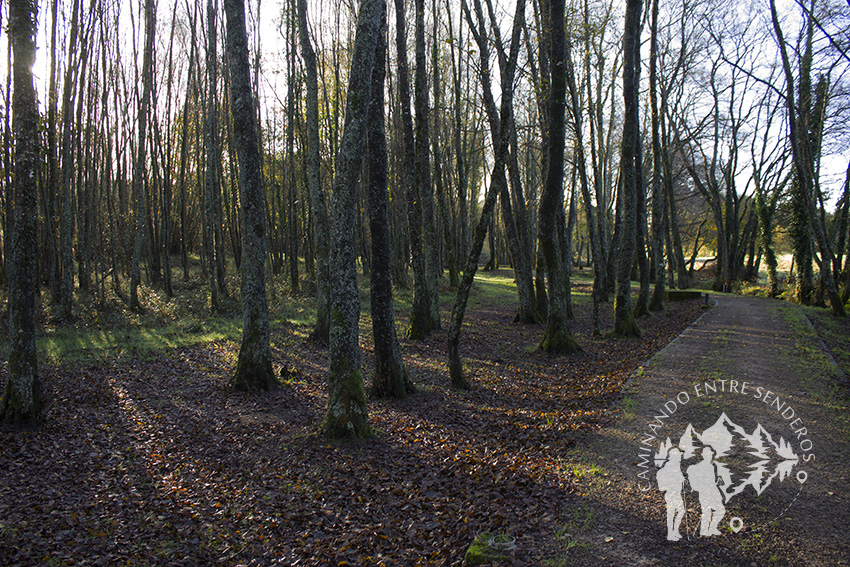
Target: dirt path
621, 519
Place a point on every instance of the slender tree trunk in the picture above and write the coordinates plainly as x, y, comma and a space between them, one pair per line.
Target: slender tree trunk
445, 214
594, 234
66, 218
292, 217
391, 379
422, 174
211, 181
49, 204
22, 398
657, 230
458, 380
139, 171
347, 415
557, 338
318, 208
642, 307
421, 309
254, 366
624, 319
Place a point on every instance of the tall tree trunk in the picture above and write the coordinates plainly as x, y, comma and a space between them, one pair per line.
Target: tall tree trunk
211, 181
520, 256
318, 208
139, 170
421, 309
497, 180
254, 367
657, 230
347, 415
624, 319
799, 122
22, 399
642, 306
292, 217
422, 174
49, 204
66, 218
390, 379
557, 338
445, 214
594, 234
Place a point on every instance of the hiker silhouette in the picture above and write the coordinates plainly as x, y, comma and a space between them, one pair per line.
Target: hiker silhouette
702, 477
671, 482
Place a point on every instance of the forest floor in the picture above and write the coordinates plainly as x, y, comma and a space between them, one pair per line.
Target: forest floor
145, 457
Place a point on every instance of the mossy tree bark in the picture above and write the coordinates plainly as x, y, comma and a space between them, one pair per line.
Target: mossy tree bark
318, 208
497, 184
624, 319
347, 415
254, 367
22, 402
391, 378
557, 338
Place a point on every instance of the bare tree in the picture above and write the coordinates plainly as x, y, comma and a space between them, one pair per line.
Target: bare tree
254, 367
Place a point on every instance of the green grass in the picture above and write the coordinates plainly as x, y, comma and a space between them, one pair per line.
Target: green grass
104, 328
569, 533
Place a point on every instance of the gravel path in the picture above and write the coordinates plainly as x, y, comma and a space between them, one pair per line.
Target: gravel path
759, 363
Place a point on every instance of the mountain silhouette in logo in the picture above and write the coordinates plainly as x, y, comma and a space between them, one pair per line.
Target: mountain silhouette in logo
742, 459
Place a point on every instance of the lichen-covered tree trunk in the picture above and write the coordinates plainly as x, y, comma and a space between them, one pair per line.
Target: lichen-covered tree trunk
624, 319
22, 400
318, 208
390, 379
254, 366
347, 415
557, 337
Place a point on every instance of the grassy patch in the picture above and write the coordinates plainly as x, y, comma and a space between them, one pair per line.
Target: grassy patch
571, 532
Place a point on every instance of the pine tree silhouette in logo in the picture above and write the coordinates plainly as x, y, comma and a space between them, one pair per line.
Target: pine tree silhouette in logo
703, 459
